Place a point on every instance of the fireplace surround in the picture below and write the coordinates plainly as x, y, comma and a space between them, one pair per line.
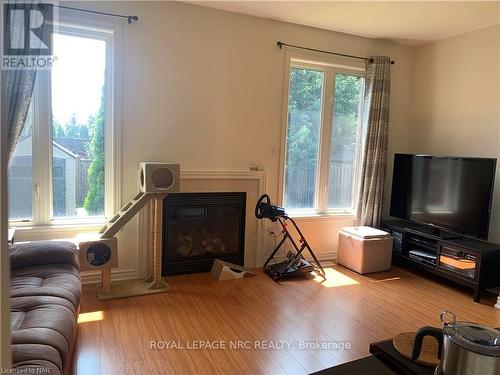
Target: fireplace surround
201, 227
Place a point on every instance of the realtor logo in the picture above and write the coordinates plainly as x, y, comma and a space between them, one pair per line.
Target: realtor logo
27, 42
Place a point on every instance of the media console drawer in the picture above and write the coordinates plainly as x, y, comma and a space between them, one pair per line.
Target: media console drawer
459, 261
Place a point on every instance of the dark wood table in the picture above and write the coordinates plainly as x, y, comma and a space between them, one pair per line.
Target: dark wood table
365, 366
385, 360
387, 353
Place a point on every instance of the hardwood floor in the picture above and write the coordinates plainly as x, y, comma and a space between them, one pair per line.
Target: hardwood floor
255, 312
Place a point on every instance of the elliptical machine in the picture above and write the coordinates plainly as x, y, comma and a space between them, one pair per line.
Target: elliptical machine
295, 264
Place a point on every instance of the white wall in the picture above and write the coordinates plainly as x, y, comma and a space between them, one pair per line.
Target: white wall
204, 87
457, 101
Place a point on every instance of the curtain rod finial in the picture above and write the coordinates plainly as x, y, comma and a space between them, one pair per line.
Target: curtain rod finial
279, 44
132, 18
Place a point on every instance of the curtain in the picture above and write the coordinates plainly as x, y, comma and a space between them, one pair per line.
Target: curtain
17, 89
16, 100
371, 186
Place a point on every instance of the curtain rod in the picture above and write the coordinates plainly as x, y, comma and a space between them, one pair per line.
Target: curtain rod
280, 44
129, 18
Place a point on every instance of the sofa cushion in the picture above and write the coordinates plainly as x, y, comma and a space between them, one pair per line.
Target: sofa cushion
26, 358
46, 321
38, 253
61, 280
45, 299
36, 359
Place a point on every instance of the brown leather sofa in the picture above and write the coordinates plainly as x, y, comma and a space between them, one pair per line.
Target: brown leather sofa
45, 301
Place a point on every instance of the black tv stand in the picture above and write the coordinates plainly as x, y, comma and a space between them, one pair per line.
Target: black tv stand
429, 229
469, 262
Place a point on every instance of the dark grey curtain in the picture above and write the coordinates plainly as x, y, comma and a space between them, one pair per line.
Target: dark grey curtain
17, 89
371, 186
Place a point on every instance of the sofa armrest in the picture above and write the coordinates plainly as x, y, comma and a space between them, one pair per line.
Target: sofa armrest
39, 253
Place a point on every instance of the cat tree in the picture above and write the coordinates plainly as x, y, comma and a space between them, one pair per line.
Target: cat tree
156, 180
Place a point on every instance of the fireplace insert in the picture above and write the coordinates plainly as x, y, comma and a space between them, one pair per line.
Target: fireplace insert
201, 227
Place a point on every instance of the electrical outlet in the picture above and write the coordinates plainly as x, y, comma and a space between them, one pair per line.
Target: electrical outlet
256, 167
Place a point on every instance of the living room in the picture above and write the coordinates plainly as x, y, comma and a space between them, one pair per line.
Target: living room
328, 108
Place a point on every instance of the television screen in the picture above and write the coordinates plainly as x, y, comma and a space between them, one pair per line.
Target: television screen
453, 193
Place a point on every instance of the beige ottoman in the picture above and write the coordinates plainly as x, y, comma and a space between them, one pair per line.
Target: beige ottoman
365, 249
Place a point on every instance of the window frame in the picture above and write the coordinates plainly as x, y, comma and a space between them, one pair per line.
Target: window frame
42, 220
330, 66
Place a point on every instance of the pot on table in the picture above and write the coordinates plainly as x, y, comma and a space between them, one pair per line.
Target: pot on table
464, 348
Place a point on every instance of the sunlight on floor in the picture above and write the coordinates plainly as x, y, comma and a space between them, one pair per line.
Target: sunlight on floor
93, 316
334, 278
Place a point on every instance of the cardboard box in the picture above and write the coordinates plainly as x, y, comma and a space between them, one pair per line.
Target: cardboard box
228, 271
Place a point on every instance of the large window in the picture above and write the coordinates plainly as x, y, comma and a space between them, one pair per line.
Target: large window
323, 137
59, 167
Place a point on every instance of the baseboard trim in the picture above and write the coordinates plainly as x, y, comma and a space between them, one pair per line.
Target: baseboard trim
324, 256
94, 277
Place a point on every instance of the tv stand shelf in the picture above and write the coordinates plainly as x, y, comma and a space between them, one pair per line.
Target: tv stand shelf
469, 262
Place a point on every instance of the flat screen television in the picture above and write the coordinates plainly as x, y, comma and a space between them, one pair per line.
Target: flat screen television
451, 193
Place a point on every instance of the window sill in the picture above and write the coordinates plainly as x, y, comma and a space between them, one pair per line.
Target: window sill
314, 216
56, 230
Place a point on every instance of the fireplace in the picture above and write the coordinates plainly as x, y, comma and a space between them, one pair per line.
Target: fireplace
201, 227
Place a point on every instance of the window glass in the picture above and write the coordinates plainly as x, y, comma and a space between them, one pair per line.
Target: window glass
78, 116
303, 137
20, 175
345, 139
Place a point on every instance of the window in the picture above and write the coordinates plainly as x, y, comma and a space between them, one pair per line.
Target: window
78, 109
323, 137
62, 165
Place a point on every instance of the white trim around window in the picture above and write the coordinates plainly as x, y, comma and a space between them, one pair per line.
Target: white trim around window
329, 66
43, 225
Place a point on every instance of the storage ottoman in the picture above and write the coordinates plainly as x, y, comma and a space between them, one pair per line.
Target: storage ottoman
365, 249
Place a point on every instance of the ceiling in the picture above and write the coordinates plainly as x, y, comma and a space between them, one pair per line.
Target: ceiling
406, 22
